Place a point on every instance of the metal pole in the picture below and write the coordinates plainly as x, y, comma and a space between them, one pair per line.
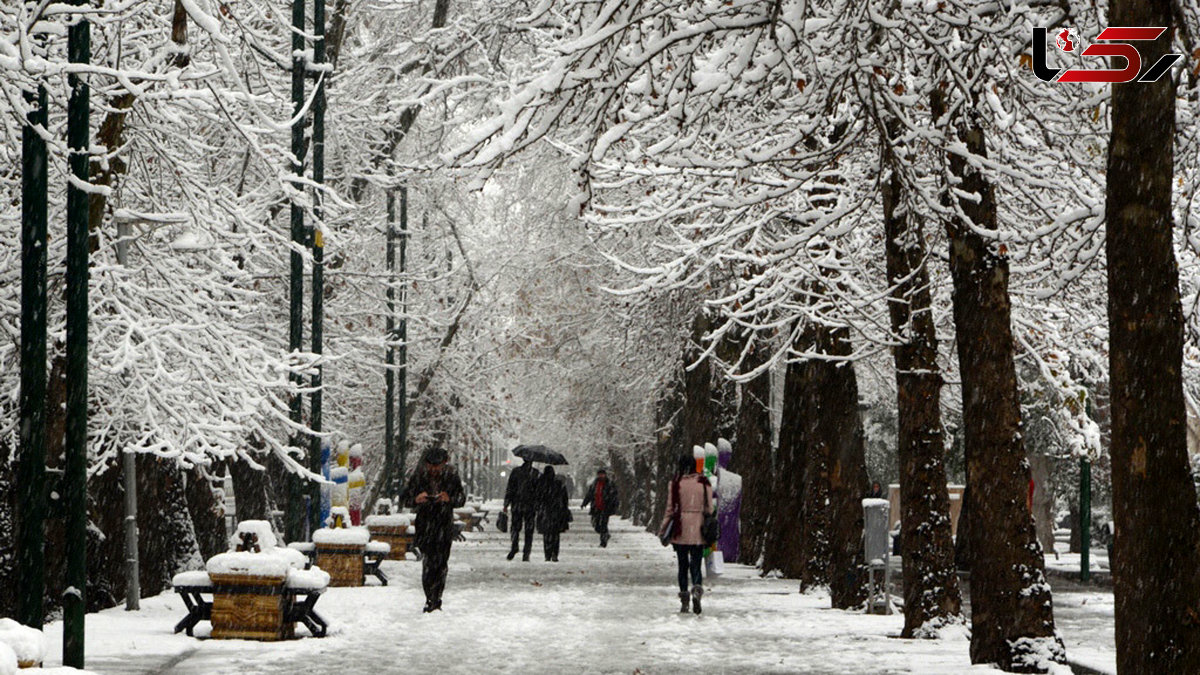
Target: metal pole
389, 409
402, 420
133, 586
75, 445
1085, 520
318, 302
31, 462
296, 281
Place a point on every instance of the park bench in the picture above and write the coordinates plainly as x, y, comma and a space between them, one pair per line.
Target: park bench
296, 603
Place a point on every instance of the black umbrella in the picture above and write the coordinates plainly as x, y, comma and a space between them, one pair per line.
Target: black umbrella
539, 453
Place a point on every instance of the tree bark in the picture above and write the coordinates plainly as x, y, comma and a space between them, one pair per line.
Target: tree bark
1156, 570
251, 493
1011, 611
697, 420
840, 428
931, 593
783, 547
752, 457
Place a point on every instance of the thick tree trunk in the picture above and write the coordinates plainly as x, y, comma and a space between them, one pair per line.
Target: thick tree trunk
251, 493
668, 445
752, 457
1011, 612
1156, 571
1040, 470
931, 594
697, 420
208, 514
813, 454
840, 427
783, 547
167, 543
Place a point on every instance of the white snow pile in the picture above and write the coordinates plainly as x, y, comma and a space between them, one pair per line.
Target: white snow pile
8, 660
464, 511
312, 579
248, 564
390, 520
342, 536
191, 578
27, 644
1040, 655
381, 547
295, 558
262, 528
871, 502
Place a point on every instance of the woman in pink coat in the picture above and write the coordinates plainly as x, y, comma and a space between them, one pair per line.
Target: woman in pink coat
689, 498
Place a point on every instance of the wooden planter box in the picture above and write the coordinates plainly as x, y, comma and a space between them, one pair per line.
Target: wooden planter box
343, 562
254, 611
398, 537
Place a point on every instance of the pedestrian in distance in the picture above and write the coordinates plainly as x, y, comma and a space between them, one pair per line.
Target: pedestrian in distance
604, 500
876, 491
435, 490
553, 514
521, 495
689, 499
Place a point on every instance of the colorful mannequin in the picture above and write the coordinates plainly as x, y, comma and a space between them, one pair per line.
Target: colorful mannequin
710, 460
326, 488
729, 503
698, 455
356, 485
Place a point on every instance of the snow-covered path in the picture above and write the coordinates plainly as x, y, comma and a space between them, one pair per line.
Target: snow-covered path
599, 610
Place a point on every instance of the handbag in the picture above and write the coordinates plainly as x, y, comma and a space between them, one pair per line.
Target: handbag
715, 563
502, 521
664, 537
710, 530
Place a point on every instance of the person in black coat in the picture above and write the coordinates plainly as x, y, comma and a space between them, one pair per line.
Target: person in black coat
435, 490
553, 514
521, 495
603, 497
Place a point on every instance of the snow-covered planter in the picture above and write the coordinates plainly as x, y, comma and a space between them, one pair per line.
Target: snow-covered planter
28, 645
394, 529
340, 552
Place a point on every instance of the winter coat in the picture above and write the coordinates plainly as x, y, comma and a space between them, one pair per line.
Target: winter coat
612, 500
553, 514
521, 492
695, 497
435, 520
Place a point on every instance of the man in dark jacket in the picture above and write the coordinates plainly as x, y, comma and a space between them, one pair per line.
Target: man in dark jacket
435, 490
521, 495
603, 497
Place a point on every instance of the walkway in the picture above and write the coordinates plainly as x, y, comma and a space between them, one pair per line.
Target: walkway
608, 610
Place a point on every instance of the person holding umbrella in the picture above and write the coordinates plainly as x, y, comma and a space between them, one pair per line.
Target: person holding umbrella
521, 495
604, 499
435, 490
553, 514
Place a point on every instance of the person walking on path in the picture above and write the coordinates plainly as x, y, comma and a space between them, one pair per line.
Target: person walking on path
435, 490
521, 496
603, 497
689, 499
553, 514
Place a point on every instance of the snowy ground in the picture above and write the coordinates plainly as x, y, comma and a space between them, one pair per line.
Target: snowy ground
608, 610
